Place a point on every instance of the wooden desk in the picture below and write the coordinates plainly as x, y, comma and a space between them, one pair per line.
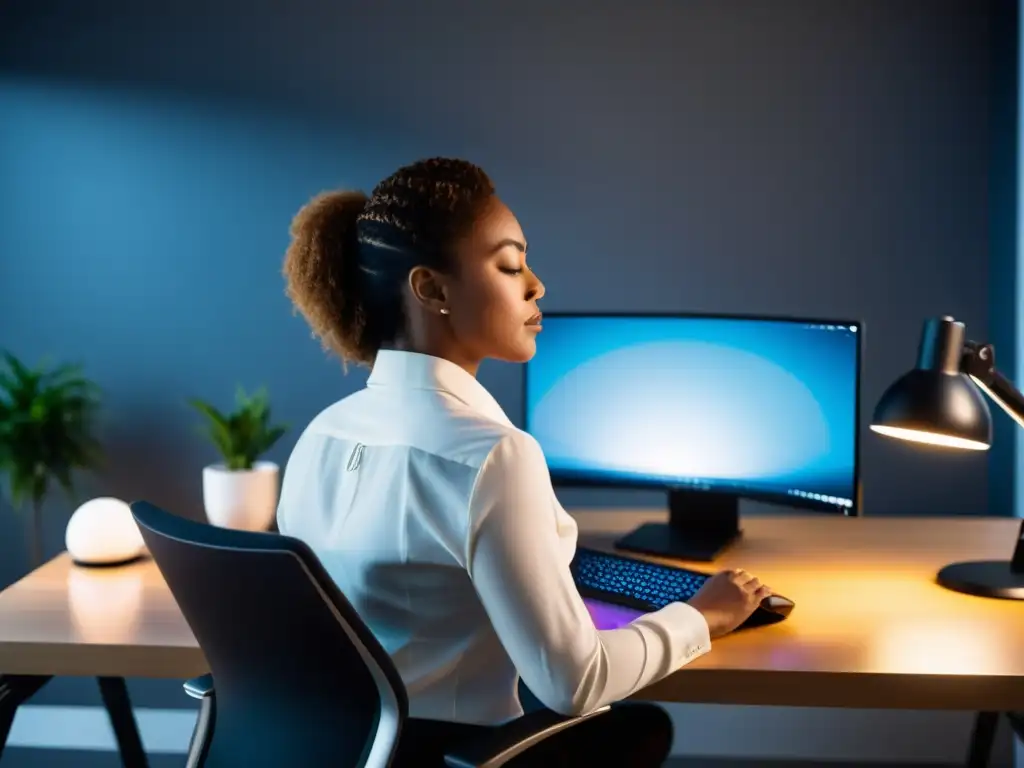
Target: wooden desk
118, 622
870, 628
108, 623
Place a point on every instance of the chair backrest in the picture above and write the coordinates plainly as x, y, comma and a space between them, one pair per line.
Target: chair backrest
299, 679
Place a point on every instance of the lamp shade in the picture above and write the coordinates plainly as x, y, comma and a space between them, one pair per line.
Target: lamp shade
937, 408
936, 403
940, 402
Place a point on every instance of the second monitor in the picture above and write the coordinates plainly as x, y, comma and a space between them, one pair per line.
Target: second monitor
711, 408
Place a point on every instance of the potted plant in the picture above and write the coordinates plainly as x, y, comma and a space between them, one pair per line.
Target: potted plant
47, 419
241, 491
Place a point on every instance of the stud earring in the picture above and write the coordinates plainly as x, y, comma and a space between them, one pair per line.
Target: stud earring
444, 310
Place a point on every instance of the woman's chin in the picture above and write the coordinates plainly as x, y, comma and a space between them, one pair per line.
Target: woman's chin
520, 353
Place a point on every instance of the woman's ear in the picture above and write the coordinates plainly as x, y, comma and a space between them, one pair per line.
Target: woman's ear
428, 289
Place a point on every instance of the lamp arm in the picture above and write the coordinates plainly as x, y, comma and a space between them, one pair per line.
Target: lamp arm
979, 362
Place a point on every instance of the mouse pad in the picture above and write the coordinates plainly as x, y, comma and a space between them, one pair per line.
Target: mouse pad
608, 616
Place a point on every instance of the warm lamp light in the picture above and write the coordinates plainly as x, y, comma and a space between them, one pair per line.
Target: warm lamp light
930, 438
939, 403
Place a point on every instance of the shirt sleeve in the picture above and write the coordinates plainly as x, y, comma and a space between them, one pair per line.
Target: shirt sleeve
519, 570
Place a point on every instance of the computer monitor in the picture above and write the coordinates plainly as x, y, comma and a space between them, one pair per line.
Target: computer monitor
711, 408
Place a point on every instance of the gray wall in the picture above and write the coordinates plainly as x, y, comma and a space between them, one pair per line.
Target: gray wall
792, 157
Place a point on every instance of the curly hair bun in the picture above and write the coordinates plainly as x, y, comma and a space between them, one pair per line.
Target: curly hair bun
321, 270
350, 257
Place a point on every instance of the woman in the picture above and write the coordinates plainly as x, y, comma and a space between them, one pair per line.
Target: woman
433, 513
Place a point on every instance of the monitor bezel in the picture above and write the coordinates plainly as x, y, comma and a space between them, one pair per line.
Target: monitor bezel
575, 480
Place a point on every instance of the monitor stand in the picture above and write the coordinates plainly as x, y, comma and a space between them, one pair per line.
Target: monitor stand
701, 524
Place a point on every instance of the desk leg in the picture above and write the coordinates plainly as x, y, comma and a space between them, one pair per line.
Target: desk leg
14, 690
119, 708
982, 739
1017, 723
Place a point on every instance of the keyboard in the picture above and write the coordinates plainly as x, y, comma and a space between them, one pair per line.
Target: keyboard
645, 586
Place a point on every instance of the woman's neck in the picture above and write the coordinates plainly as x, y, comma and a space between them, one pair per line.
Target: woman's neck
436, 350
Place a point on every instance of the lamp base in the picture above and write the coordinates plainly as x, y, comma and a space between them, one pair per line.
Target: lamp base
984, 578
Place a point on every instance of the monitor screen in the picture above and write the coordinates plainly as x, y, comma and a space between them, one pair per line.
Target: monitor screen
759, 407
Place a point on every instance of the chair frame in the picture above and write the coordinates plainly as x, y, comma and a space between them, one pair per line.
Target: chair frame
494, 748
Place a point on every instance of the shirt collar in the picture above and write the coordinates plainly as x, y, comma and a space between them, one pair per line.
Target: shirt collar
413, 370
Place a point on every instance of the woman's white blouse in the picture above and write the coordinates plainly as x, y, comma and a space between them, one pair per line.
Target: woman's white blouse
437, 519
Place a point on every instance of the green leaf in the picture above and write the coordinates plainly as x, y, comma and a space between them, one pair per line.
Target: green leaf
271, 436
244, 434
47, 421
18, 369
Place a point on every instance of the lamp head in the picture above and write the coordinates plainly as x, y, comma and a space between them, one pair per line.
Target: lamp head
936, 403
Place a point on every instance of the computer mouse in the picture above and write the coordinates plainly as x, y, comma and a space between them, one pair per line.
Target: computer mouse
772, 610
778, 604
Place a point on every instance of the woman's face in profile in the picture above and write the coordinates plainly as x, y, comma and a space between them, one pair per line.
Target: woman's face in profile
493, 295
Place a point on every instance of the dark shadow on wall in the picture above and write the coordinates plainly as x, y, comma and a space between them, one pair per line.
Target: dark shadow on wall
161, 463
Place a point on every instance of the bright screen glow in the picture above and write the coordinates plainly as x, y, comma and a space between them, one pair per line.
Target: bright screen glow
755, 406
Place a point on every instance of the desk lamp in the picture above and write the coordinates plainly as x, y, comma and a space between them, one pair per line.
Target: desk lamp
938, 403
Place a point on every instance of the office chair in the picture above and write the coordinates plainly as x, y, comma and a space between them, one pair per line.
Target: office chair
296, 678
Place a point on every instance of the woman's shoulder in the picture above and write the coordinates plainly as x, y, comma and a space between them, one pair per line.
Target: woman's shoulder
429, 422
475, 437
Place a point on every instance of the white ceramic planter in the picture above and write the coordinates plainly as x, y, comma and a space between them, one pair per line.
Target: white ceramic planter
243, 499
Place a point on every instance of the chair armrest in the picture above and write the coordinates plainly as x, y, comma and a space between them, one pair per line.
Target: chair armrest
503, 742
199, 687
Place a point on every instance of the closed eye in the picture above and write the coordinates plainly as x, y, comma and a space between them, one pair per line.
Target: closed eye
507, 271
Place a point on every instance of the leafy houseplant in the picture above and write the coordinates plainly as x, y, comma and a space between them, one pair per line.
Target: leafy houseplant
47, 420
241, 491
